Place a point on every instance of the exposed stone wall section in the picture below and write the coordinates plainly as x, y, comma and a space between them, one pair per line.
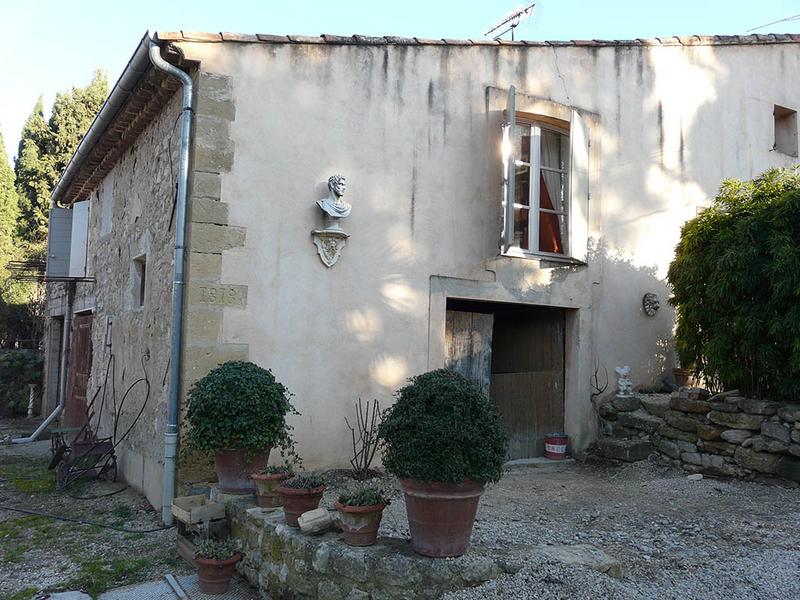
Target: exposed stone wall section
284, 563
724, 435
209, 235
130, 216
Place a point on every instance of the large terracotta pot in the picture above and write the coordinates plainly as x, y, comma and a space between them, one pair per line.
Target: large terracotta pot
360, 524
441, 515
234, 468
215, 575
267, 488
296, 501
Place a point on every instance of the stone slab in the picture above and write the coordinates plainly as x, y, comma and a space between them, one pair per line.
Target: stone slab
676, 434
724, 448
757, 461
655, 405
736, 436
630, 450
640, 420
736, 420
758, 407
679, 420
790, 413
776, 430
689, 405
626, 403
584, 555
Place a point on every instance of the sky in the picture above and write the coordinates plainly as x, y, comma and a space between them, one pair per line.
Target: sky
48, 46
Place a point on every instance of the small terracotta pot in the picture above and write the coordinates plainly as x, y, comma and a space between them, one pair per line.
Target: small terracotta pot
267, 488
681, 376
360, 524
215, 575
441, 515
296, 501
234, 468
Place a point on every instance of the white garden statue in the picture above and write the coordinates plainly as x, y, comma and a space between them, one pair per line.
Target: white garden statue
624, 384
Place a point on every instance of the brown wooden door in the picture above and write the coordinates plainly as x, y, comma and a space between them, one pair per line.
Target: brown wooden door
468, 345
528, 376
80, 365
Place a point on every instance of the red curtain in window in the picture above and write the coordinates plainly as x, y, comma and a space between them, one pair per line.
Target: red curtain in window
549, 231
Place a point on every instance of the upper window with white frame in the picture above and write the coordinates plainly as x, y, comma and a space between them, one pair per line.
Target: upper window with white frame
546, 185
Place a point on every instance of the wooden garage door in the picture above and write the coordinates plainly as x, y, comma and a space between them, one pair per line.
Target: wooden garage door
80, 365
528, 376
468, 345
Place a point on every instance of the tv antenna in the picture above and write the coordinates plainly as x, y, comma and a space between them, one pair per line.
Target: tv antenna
510, 21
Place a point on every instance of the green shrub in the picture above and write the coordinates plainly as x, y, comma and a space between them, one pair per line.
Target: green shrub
18, 369
216, 549
241, 406
736, 287
304, 481
363, 496
443, 428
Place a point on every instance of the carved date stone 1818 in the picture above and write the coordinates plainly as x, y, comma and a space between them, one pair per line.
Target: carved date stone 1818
331, 240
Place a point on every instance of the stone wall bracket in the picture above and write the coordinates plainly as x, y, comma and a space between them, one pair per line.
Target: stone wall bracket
329, 242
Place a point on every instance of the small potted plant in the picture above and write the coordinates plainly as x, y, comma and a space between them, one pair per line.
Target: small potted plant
216, 561
300, 494
444, 440
238, 411
267, 481
360, 513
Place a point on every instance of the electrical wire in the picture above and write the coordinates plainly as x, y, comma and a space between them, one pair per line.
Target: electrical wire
81, 521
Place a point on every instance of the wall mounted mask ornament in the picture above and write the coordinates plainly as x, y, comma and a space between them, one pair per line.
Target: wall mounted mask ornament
331, 240
650, 304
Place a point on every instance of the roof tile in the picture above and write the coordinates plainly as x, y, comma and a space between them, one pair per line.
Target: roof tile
238, 37
272, 39
200, 36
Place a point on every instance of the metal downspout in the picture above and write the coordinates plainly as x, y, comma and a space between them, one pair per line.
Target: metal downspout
62, 368
171, 434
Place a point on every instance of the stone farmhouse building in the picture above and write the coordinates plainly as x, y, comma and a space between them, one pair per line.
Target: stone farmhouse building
506, 207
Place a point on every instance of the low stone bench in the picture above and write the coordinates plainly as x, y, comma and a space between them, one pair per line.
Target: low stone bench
285, 563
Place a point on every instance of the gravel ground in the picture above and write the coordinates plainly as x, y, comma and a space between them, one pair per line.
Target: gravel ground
674, 537
42, 554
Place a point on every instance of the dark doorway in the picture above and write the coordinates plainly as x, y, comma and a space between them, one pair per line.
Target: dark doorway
80, 365
517, 352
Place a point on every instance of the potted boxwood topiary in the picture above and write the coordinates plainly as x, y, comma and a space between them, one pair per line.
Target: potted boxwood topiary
443, 439
360, 513
267, 481
238, 411
300, 494
216, 561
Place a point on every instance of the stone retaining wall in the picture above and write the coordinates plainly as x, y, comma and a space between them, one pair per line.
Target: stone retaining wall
724, 435
284, 563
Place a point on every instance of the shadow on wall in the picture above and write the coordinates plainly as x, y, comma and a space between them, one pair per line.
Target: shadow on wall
622, 317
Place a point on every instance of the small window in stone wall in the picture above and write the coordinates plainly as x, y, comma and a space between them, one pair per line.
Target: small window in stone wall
140, 279
785, 130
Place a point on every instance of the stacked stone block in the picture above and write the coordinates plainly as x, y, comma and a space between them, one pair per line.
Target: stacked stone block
724, 435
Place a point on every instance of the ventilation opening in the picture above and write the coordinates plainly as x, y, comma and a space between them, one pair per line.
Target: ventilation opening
785, 130
140, 279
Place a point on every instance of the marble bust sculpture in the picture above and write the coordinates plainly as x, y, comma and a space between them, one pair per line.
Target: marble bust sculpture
333, 205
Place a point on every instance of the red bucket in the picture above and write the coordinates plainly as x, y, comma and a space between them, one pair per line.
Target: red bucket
555, 446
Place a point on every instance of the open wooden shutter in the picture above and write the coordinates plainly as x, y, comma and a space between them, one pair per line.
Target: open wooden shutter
79, 239
59, 240
509, 168
579, 187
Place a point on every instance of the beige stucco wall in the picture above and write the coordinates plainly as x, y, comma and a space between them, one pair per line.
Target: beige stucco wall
416, 130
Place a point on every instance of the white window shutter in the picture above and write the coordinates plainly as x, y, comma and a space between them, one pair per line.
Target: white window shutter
509, 168
59, 236
579, 187
79, 239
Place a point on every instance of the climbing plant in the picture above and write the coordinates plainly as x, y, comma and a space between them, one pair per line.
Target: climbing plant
736, 287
